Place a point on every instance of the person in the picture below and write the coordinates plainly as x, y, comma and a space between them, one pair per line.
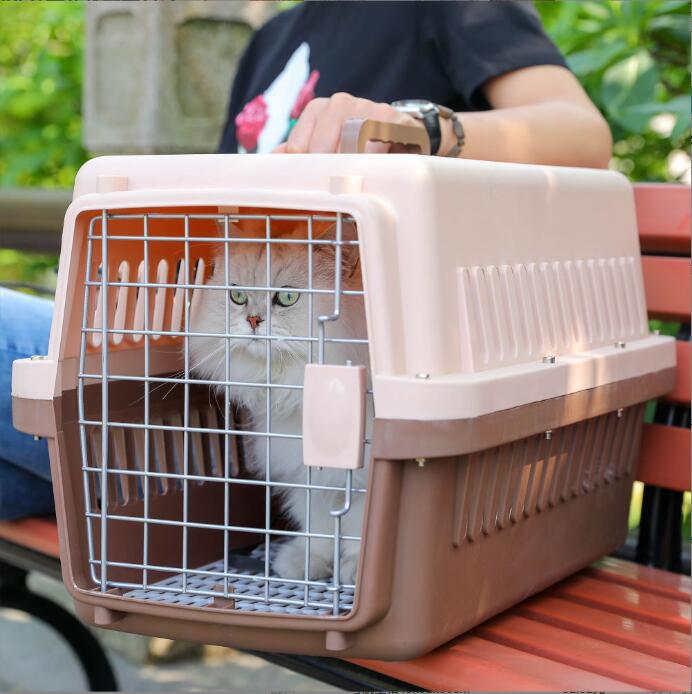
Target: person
25, 487
314, 66
481, 78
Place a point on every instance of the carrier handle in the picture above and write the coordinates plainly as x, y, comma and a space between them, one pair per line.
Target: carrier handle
357, 132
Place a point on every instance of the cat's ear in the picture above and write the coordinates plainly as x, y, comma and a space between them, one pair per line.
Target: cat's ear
350, 255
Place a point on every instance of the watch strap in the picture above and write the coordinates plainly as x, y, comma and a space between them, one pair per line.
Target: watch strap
457, 128
431, 121
429, 114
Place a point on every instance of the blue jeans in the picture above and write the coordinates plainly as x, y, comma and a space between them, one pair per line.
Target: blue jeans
25, 488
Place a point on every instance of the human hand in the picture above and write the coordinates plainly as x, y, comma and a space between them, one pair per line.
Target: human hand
318, 129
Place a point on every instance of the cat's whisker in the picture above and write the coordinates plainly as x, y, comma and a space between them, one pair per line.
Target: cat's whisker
213, 353
216, 398
157, 387
169, 391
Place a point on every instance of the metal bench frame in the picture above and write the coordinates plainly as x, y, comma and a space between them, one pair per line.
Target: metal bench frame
15, 564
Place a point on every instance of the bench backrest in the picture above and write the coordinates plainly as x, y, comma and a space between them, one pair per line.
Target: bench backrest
663, 216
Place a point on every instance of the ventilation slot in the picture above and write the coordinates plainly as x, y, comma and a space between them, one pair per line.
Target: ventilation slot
122, 302
160, 299
126, 305
126, 455
508, 484
511, 313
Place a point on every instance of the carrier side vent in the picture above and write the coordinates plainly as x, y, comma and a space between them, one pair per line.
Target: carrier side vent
508, 484
517, 313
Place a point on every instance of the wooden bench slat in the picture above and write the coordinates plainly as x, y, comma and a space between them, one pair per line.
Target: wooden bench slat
451, 670
606, 626
683, 376
663, 217
609, 615
585, 653
665, 583
475, 664
625, 601
555, 674
667, 287
664, 459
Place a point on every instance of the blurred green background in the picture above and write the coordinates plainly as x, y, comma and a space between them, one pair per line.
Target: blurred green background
41, 53
632, 57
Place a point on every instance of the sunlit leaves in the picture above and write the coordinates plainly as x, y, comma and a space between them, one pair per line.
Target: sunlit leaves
633, 59
40, 93
628, 85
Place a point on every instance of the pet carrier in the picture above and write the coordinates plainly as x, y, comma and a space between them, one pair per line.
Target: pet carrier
348, 403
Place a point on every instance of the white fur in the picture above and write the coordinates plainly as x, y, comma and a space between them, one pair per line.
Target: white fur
248, 363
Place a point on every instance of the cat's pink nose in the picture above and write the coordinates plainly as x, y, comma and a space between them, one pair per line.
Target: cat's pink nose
254, 321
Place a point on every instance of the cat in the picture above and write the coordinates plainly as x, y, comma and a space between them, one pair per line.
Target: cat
248, 363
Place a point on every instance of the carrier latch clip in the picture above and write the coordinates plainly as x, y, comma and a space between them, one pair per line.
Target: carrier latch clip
334, 416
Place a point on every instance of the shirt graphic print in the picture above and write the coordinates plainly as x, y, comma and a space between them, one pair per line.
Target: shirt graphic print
266, 120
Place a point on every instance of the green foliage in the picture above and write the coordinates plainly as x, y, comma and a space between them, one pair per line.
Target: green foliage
40, 93
633, 58
38, 269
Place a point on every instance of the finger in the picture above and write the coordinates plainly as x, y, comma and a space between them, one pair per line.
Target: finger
299, 138
327, 131
281, 149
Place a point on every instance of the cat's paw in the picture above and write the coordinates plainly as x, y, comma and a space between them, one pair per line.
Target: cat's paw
290, 562
348, 568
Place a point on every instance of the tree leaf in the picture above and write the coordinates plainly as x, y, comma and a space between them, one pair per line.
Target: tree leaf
597, 10
669, 6
583, 63
682, 125
680, 105
675, 27
628, 83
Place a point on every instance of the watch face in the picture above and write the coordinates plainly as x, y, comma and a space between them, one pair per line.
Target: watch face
414, 107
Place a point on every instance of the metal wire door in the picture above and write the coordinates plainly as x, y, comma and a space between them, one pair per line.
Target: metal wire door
139, 305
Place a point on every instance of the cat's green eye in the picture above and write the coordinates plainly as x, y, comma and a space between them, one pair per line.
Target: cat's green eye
288, 297
238, 297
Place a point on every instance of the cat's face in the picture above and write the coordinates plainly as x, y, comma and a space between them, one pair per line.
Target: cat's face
256, 313
283, 312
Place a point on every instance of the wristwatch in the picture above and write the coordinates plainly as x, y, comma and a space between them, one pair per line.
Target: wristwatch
429, 114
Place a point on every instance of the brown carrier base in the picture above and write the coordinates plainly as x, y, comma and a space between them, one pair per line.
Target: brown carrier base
448, 541
441, 588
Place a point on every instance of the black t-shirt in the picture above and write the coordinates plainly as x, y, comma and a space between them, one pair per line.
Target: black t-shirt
441, 51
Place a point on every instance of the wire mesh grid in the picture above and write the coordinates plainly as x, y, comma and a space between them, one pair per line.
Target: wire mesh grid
126, 465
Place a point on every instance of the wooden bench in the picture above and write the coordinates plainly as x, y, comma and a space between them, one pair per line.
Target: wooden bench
616, 626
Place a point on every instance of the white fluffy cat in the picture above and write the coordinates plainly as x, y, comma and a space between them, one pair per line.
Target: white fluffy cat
289, 311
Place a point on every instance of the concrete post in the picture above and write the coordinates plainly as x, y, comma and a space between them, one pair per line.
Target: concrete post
158, 74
